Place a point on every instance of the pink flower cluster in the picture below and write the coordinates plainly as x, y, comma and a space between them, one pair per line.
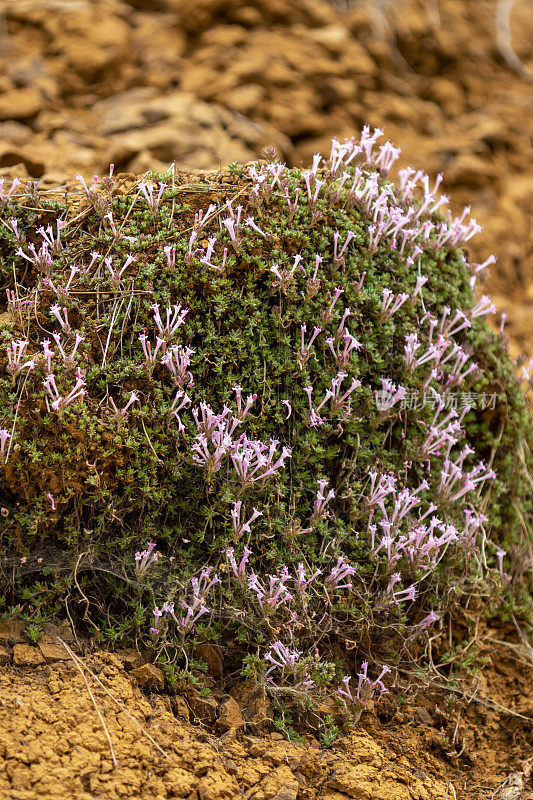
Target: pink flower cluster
191, 609
286, 661
365, 688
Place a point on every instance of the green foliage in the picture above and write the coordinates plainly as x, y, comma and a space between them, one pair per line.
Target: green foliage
33, 632
84, 489
330, 733
283, 723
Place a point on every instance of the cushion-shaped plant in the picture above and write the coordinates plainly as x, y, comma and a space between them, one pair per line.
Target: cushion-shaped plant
280, 384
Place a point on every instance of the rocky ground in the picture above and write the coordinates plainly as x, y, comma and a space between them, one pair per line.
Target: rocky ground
105, 727
206, 82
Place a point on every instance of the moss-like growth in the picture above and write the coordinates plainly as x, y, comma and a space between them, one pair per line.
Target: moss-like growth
84, 486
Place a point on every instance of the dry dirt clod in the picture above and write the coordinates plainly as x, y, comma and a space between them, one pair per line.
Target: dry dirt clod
50, 737
24, 655
286, 793
12, 632
180, 708
203, 709
229, 716
53, 652
517, 785
130, 658
254, 704
149, 677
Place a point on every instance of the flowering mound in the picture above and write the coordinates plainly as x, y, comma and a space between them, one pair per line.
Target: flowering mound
261, 411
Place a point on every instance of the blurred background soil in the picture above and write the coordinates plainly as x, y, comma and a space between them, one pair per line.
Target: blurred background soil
143, 83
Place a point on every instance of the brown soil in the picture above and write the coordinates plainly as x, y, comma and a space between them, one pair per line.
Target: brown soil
55, 746
203, 82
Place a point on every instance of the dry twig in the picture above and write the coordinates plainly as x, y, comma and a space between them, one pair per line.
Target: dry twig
502, 21
91, 695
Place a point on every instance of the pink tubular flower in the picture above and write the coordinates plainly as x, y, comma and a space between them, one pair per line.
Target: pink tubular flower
232, 227
78, 391
108, 181
239, 526
14, 357
314, 419
380, 488
184, 400
281, 656
41, 259
195, 608
286, 660
388, 396
70, 358
388, 155
5, 197
289, 408
238, 569
338, 254
177, 359
59, 402
121, 412
55, 310
500, 554
292, 205
429, 620
170, 253
368, 140
250, 223
366, 688
202, 217
285, 275
391, 303
99, 202
150, 358
339, 573
254, 461
206, 258
305, 350
117, 275
54, 243
276, 594
144, 559
343, 353
4, 436
301, 581
336, 296
321, 501
313, 283
116, 233
148, 191
405, 595
250, 400
482, 307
